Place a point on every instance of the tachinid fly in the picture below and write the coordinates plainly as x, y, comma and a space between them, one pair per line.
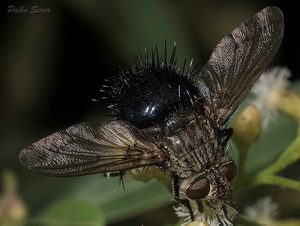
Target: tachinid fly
171, 118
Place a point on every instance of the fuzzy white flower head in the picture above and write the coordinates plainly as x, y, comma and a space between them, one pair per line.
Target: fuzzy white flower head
271, 84
264, 211
213, 216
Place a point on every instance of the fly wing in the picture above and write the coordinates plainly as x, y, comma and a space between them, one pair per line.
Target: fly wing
89, 148
238, 60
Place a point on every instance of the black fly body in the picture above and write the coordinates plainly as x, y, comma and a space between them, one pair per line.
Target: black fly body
172, 118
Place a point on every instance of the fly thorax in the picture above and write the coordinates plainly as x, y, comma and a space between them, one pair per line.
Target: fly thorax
192, 143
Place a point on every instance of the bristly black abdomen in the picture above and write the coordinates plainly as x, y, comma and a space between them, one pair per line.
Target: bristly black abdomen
152, 90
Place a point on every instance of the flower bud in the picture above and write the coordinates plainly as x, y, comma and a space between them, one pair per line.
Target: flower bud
198, 223
146, 174
247, 127
289, 103
12, 208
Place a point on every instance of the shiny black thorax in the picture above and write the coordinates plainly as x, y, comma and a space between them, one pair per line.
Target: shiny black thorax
148, 99
152, 90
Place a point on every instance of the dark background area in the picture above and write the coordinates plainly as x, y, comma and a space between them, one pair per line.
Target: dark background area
52, 64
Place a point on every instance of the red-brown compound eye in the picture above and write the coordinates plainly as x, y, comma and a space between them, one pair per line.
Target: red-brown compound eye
199, 189
230, 170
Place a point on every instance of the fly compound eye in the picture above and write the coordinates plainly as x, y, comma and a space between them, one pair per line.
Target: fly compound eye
199, 189
229, 170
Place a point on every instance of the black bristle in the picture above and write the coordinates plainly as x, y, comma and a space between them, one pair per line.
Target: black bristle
135, 90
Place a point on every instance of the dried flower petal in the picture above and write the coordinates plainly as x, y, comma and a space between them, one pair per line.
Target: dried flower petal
268, 90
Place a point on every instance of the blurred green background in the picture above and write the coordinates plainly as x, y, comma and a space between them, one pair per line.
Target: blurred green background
53, 63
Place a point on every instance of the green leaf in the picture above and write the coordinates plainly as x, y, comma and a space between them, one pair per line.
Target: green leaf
119, 204
69, 213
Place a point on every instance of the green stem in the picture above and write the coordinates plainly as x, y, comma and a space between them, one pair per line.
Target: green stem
267, 176
263, 178
289, 156
241, 166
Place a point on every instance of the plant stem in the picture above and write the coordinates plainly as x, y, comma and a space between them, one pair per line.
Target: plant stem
241, 166
267, 176
289, 156
275, 180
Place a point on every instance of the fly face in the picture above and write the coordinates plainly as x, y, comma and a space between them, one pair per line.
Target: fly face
168, 119
211, 184
208, 193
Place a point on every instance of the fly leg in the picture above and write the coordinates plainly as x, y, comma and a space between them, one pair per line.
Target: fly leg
175, 191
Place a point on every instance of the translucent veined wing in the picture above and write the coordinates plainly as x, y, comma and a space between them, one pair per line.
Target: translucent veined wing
89, 148
238, 60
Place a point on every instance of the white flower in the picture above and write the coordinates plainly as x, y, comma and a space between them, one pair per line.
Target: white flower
213, 214
264, 211
268, 90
